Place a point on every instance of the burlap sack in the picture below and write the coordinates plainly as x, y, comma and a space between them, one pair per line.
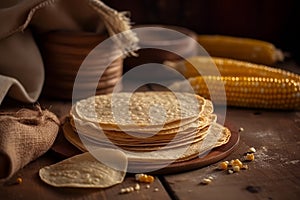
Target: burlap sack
24, 136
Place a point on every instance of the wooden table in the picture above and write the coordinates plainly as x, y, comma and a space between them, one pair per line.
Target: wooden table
274, 174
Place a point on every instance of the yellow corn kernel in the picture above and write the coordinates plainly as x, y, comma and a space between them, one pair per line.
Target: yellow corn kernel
249, 157
252, 50
237, 162
223, 166
19, 180
144, 178
236, 168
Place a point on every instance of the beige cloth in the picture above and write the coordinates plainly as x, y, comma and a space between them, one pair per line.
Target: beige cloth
21, 64
24, 136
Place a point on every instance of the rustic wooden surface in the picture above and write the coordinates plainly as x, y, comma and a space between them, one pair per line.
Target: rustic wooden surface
274, 174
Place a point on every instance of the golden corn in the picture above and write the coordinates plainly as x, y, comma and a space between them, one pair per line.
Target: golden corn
257, 92
223, 166
19, 180
246, 84
229, 67
236, 162
249, 157
144, 178
252, 50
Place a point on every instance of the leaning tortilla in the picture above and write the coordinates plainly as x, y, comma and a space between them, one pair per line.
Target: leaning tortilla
85, 171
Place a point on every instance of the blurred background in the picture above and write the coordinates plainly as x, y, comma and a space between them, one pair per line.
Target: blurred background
275, 21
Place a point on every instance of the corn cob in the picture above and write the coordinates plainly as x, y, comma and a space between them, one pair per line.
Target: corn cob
228, 67
252, 50
245, 84
254, 92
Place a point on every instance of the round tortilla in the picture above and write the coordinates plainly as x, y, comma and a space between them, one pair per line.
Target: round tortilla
125, 111
218, 135
85, 171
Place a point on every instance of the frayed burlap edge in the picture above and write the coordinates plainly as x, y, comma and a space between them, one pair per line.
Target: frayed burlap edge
24, 136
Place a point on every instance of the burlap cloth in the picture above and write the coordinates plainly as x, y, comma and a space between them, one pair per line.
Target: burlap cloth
27, 134
21, 64
24, 136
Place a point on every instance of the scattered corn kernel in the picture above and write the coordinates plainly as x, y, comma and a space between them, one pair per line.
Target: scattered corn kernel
147, 186
131, 189
211, 178
19, 180
137, 186
123, 190
236, 168
252, 150
144, 178
206, 181
230, 171
156, 189
249, 157
138, 176
241, 129
223, 166
237, 162
244, 167
127, 190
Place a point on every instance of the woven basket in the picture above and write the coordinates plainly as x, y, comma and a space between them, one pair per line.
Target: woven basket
64, 53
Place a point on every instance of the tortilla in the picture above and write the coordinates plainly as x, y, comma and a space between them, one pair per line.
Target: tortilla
218, 135
140, 109
85, 171
174, 127
182, 134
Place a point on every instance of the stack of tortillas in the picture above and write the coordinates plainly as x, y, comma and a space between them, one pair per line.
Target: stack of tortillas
152, 128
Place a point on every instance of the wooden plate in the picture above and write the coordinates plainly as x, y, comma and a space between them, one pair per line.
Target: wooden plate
213, 156
66, 149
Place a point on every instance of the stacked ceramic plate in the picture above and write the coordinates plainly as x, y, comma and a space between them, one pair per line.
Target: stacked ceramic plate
159, 43
76, 61
153, 129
